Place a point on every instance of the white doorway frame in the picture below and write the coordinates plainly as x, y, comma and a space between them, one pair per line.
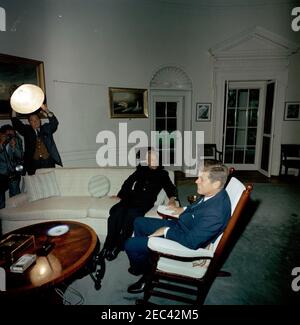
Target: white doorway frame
186, 99
278, 74
261, 110
253, 55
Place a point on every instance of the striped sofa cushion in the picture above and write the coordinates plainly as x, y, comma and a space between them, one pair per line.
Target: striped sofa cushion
99, 186
41, 186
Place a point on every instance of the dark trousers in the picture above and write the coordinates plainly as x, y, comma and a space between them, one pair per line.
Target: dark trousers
137, 247
120, 224
12, 185
2, 199
3, 189
41, 163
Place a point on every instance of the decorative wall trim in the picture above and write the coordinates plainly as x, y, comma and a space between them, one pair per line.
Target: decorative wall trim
255, 54
254, 43
171, 77
80, 158
87, 158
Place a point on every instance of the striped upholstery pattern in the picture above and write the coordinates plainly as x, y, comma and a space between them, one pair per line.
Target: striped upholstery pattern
41, 186
99, 186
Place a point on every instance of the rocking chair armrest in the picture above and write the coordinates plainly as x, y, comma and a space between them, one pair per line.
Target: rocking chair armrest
171, 248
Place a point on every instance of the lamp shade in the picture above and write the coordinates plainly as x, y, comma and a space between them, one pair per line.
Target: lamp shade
27, 99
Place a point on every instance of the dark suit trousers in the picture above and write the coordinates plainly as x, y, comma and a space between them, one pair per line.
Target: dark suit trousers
120, 224
137, 247
41, 163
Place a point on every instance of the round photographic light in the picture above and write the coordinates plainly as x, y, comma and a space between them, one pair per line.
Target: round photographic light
27, 99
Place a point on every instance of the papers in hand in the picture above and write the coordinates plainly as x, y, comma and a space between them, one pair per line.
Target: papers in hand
163, 209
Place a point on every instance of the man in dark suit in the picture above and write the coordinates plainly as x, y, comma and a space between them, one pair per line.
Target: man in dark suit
197, 225
40, 148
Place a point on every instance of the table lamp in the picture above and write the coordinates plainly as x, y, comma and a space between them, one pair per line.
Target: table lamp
27, 98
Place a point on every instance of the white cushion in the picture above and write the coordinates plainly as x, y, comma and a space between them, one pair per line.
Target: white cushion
74, 181
195, 269
16, 200
99, 208
56, 207
41, 186
234, 189
171, 247
99, 186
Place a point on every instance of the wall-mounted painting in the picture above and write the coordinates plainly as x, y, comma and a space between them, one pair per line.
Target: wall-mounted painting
292, 111
15, 71
128, 103
203, 112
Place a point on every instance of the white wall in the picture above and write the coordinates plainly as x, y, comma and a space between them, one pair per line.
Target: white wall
291, 129
90, 45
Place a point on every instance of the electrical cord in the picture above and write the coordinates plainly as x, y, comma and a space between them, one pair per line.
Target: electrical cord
71, 291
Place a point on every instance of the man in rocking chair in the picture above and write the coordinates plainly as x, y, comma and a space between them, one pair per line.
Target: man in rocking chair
197, 225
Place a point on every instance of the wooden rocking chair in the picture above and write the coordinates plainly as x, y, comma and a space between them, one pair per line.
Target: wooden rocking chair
180, 265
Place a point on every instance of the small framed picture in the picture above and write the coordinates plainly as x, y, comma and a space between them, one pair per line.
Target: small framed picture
203, 112
292, 111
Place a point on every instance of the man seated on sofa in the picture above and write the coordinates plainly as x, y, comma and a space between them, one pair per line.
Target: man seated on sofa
137, 196
197, 226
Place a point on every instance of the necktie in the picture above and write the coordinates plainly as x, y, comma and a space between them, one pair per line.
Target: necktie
200, 201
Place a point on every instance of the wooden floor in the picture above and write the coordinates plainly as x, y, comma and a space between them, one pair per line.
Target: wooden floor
248, 177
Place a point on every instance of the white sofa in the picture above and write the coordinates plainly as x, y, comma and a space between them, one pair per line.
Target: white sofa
75, 202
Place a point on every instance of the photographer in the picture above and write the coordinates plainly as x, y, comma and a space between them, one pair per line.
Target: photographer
40, 148
11, 154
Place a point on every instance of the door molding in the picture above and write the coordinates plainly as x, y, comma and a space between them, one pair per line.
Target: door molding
171, 77
254, 55
186, 97
262, 88
172, 81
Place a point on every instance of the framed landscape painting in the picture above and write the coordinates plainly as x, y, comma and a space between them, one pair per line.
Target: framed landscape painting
128, 102
15, 71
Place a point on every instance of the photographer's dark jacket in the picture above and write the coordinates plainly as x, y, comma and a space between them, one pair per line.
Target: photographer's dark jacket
30, 138
8, 158
16, 155
140, 189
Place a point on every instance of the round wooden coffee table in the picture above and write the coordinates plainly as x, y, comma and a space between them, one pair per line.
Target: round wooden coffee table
71, 253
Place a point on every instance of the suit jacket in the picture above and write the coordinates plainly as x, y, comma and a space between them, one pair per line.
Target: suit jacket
4, 164
16, 155
201, 224
29, 134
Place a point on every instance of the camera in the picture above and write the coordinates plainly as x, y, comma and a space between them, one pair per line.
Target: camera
9, 137
17, 173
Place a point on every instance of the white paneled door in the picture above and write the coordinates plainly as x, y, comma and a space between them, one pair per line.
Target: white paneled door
167, 119
244, 115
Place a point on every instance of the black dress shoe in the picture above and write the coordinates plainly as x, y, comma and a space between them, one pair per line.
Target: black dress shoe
138, 286
113, 254
132, 271
103, 253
